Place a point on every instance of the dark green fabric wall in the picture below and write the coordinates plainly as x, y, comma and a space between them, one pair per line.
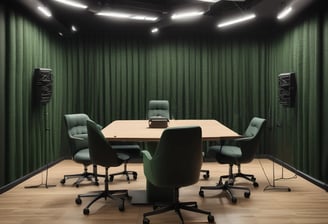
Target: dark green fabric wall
34, 131
295, 132
324, 84
113, 77
2, 93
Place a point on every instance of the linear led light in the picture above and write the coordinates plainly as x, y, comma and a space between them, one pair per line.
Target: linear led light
210, 1
114, 14
237, 20
185, 15
122, 15
72, 3
146, 18
284, 13
45, 11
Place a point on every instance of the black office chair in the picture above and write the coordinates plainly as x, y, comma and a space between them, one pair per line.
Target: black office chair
243, 151
176, 163
102, 154
76, 125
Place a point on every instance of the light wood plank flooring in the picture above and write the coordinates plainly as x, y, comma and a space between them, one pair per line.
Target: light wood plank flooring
306, 203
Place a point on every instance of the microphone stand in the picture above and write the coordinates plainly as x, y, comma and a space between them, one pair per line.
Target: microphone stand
44, 143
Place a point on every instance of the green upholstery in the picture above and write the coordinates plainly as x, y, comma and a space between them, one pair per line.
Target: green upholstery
76, 125
159, 108
102, 154
242, 150
175, 163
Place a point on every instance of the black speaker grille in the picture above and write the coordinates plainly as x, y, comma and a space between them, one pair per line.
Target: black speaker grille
43, 85
287, 89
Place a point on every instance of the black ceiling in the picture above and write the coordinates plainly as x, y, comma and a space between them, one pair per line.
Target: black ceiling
86, 21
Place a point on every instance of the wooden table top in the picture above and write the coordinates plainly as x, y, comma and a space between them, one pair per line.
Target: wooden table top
139, 131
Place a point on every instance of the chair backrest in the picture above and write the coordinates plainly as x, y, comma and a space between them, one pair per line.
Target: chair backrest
101, 152
76, 125
251, 141
178, 158
159, 108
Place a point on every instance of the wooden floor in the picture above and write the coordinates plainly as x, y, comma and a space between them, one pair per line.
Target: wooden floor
306, 203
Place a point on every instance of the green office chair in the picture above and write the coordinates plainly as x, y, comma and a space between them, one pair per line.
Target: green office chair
76, 125
102, 154
176, 163
159, 108
243, 151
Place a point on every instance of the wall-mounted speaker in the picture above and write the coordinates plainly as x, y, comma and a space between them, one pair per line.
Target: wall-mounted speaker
287, 89
42, 85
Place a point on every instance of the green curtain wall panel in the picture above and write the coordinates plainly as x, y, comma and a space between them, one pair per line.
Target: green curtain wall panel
120, 76
2, 94
295, 132
33, 131
324, 84
111, 77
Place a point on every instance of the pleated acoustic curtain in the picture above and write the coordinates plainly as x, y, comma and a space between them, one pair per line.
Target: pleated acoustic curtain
33, 132
2, 94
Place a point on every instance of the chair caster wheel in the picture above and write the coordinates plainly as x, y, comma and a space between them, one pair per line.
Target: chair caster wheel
135, 175
201, 193
63, 181
145, 221
207, 175
210, 218
77, 185
121, 208
97, 183
111, 178
255, 184
86, 211
234, 200
78, 201
247, 194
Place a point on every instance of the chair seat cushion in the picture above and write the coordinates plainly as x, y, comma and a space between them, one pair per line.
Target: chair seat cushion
227, 154
133, 150
82, 156
123, 156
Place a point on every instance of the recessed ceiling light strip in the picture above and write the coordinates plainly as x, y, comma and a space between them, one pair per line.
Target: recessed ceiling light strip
185, 15
210, 1
45, 11
122, 15
284, 13
237, 20
72, 3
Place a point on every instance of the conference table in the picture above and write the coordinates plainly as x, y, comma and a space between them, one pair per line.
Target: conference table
139, 131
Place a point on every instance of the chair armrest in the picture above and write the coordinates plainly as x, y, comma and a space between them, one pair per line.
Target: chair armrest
243, 139
76, 138
147, 154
